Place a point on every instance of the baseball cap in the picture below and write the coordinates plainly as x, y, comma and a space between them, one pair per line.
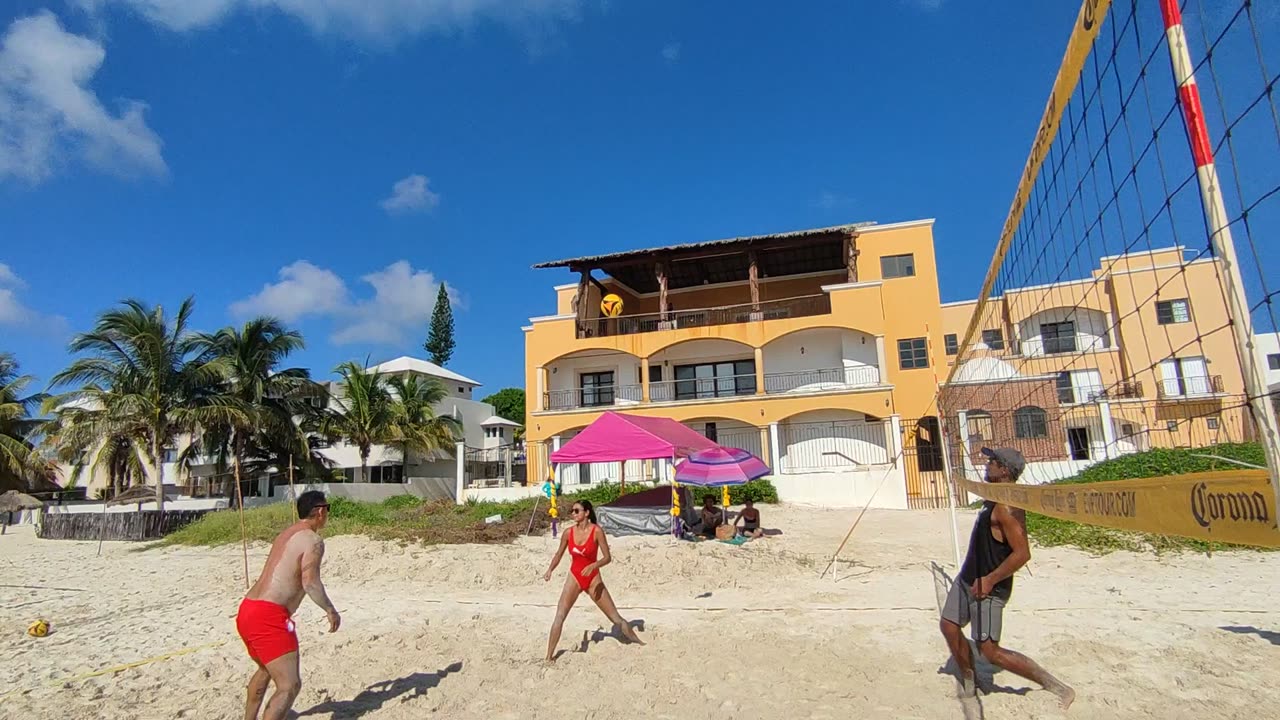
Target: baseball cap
1008, 457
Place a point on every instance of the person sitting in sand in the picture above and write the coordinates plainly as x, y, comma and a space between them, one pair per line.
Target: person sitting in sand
712, 518
748, 522
265, 619
584, 539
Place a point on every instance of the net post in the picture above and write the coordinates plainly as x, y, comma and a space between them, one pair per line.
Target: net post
1218, 225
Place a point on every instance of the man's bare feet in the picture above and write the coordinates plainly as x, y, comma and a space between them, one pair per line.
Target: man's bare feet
1065, 694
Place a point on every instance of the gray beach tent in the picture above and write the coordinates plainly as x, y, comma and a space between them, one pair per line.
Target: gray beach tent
646, 513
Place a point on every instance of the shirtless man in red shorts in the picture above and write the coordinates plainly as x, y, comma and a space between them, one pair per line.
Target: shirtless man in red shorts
265, 618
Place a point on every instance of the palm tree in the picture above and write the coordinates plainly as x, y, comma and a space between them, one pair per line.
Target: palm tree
418, 426
149, 377
20, 462
365, 414
88, 439
271, 398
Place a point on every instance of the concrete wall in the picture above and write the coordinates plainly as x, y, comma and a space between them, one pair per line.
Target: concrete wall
427, 488
510, 494
883, 487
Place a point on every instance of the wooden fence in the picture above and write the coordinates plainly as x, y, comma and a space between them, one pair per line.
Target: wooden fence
145, 525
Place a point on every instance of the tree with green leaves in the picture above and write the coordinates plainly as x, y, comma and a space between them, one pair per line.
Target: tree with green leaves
508, 404
21, 464
418, 425
440, 337
273, 399
148, 378
362, 413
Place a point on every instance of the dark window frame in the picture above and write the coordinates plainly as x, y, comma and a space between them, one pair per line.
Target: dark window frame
897, 266
951, 343
742, 375
1165, 314
601, 394
993, 338
913, 353
1058, 337
1030, 423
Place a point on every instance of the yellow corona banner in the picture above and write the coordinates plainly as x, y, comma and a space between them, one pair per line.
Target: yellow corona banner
1236, 506
1085, 31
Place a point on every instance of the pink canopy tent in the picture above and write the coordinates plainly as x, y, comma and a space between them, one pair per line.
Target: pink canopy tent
616, 437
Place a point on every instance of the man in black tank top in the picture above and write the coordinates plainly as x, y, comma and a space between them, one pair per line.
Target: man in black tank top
998, 548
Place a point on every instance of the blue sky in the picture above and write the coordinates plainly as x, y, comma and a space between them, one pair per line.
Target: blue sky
361, 151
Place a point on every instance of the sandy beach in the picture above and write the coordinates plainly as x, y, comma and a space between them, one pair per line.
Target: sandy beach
749, 632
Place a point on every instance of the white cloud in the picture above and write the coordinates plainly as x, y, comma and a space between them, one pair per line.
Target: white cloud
48, 113
671, 52
303, 289
15, 314
378, 20
402, 300
411, 194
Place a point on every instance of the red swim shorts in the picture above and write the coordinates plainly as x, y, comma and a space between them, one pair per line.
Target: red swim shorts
267, 630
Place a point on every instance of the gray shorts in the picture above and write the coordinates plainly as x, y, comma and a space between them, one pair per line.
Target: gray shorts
986, 615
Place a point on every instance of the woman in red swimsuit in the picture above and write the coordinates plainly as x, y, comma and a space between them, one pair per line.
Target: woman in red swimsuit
584, 539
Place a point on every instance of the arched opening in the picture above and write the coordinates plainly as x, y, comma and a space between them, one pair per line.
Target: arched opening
701, 370
821, 440
822, 359
730, 433
1058, 331
592, 379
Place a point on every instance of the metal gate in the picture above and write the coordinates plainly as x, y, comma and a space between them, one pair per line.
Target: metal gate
922, 464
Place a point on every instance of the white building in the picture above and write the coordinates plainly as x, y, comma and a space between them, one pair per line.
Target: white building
1267, 346
481, 428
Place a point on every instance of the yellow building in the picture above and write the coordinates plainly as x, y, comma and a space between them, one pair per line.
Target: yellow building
806, 348
822, 351
1138, 355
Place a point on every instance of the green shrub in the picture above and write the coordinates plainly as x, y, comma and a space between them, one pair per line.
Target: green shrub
600, 494
400, 502
759, 491
346, 510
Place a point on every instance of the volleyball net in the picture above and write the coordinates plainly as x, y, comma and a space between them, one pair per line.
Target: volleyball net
1131, 304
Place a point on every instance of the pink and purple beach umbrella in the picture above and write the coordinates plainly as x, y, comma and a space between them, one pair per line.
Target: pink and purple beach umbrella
720, 467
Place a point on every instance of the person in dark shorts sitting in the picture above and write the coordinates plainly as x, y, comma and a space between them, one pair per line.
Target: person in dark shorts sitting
712, 518
748, 521
998, 548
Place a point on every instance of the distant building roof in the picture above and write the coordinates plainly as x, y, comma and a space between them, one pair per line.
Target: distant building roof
495, 420
423, 367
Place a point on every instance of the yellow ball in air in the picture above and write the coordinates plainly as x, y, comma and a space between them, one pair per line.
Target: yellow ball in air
611, 305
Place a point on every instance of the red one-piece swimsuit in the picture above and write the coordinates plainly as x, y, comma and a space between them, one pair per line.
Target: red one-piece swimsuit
582, 556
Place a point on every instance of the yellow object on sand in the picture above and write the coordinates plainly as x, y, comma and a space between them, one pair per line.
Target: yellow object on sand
39, 628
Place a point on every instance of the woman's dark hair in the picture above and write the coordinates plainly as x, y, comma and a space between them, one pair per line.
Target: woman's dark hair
308, 501
591, 510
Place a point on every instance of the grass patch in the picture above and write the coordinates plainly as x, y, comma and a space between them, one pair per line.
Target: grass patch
1052, 532
408, 518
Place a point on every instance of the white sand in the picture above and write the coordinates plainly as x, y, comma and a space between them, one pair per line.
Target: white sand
746, 632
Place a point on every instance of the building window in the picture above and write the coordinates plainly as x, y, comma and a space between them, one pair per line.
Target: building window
386, 474
712, 434
170, 455
1171, 426
1169, 312
980, 426
897, 266
596, 389
1127, 430
1059, 337
993, 339
953, 345
1211, 422
1079, 386
1030, 423
1273, 361
1180, 377
913, 353
709, 380
1066, 393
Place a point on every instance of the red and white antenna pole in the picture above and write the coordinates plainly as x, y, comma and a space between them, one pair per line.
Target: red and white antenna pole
1219, 227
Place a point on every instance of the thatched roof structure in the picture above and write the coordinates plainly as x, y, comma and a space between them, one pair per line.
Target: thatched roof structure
140, 494
14, 501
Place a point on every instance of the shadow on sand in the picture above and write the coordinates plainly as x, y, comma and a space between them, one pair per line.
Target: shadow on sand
379, 694
1270, 636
